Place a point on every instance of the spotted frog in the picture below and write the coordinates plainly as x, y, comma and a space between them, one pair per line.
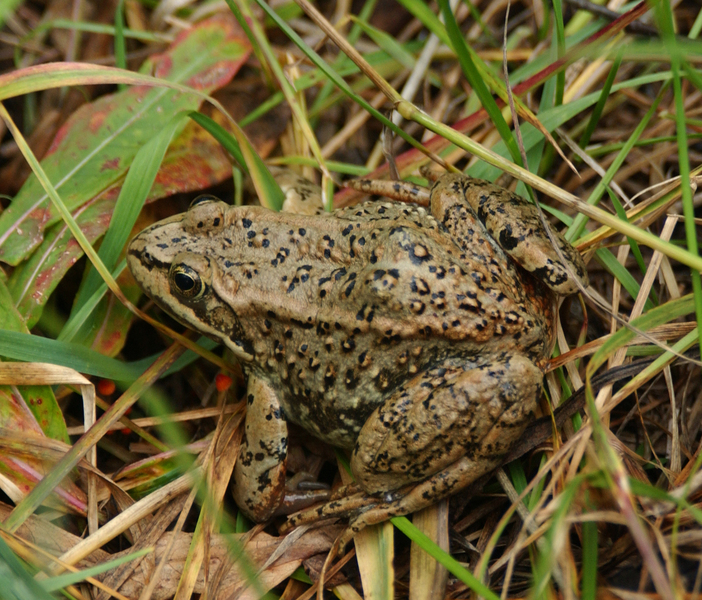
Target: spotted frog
414, 338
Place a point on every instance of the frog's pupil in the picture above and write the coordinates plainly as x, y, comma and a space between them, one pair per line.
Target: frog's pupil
184, 282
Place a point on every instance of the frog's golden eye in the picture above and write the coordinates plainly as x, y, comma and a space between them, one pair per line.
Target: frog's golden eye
204, 199
186, 281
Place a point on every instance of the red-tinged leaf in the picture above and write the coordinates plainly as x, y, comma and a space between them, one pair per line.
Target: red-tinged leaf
141, 475
15, 414
24, 465
32, 283
112, 320
95, 147
194, 161
41, 400
64, 74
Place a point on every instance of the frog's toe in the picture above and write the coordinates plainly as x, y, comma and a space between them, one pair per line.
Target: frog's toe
342, 508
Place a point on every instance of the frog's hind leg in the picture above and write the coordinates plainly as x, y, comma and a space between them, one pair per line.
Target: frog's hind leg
514, 223
446, 414
259, 473
443, 430
434, 436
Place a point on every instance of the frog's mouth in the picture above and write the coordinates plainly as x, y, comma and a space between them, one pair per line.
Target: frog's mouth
219, 324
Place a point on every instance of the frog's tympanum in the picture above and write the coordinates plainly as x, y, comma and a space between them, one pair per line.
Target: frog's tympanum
413, 338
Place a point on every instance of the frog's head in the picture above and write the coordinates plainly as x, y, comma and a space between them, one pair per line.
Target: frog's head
173, 263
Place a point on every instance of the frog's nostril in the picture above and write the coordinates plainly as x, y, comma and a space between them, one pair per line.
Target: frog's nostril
147, 259
204, 199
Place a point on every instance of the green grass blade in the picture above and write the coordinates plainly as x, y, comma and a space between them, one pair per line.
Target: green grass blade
219, 133
120, 44
477, 80
560, 48
635, 250
548, 557
599, 107
621, 273
665, 20
61, 581
33, 348
589, 571
17, 582
387, 43
140, 178
451, 564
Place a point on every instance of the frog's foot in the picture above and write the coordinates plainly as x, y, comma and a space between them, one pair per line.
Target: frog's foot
342, 508
344, 491
363, 510
404, 191
454, 478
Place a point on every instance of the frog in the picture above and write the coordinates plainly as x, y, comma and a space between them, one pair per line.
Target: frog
413, 338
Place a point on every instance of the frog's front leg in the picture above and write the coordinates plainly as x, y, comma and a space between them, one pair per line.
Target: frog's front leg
259, 473
447, 416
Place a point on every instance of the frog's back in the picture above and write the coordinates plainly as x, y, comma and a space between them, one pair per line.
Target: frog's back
374, 295
381, 269
413, 279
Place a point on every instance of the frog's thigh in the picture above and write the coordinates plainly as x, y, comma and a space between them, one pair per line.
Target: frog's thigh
445, 415
514, 223
259, 474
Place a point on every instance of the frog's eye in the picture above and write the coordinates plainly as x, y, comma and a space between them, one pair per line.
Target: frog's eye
186, 281
204, 199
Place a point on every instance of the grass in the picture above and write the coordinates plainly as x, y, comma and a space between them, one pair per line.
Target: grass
610, 501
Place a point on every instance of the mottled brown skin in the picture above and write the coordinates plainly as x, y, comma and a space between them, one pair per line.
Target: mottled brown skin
409, 337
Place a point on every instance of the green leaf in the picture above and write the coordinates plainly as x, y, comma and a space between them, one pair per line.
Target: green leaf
40, 399
32, 348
